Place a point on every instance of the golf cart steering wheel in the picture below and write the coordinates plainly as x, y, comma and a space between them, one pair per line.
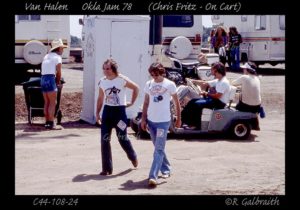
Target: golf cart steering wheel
196, 88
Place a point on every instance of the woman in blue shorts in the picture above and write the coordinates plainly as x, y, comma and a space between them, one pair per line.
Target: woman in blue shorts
51, 76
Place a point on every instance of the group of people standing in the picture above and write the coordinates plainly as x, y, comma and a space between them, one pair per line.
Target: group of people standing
227, 45
156, 116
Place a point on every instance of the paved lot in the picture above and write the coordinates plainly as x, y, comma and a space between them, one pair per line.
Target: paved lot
68, 161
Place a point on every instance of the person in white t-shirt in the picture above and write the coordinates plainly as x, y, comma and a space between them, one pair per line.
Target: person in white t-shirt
216, 98
50, 80
157, 115
250, 100
112, 93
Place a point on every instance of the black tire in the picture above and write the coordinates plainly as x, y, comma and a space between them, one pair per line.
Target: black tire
240, 130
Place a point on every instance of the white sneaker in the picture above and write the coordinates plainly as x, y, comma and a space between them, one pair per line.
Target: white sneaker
54, 126
165, 176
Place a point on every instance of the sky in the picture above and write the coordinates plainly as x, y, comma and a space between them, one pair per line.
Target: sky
75, 28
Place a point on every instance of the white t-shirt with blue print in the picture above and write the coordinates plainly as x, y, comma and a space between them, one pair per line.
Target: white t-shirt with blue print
160, 96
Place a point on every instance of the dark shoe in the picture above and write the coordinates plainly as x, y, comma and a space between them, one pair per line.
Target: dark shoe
135, 163
105, 173
47, 125
152, 183
53, 126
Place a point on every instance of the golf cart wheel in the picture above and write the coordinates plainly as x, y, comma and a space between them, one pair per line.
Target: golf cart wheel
241, 130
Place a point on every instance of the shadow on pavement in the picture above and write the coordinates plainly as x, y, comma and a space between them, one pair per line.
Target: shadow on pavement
87, 177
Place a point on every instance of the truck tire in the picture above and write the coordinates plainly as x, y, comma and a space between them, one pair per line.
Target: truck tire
34, 52
181, 47
240, 130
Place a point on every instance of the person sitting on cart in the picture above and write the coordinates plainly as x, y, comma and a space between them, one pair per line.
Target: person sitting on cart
217, 99
250, 98
50, 80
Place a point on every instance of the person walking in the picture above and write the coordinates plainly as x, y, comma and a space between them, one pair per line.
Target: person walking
156, 114
51, 80
112, 93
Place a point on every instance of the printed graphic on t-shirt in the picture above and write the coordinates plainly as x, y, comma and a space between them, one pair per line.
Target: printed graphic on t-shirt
112, 96
157, 91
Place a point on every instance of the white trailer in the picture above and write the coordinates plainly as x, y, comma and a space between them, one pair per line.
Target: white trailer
129, 39
181, 35
263, 36
125, 38
33, 37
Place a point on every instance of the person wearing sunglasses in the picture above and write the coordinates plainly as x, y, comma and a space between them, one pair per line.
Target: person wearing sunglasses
157, 117
112, 93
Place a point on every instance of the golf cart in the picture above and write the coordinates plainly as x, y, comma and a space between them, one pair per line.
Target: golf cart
228, 120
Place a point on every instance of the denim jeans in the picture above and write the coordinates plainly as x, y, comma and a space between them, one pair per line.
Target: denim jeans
192, 112
235, 58
158, 133
48, 83
114, 117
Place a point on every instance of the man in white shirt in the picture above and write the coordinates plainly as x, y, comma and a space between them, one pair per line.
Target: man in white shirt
217, 99
250, 100
157, 115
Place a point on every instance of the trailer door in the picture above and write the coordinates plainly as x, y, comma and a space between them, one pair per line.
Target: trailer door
129, 47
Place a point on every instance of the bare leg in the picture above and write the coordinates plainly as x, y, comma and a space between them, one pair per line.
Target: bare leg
46, 105
52, 103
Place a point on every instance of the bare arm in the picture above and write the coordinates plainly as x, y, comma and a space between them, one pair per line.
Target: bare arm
99, 105
204, 85
199, 82
135, 91
144, 114
178, 110
58, 74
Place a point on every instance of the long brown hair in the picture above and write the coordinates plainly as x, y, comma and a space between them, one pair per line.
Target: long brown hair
157, 69
113, 65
